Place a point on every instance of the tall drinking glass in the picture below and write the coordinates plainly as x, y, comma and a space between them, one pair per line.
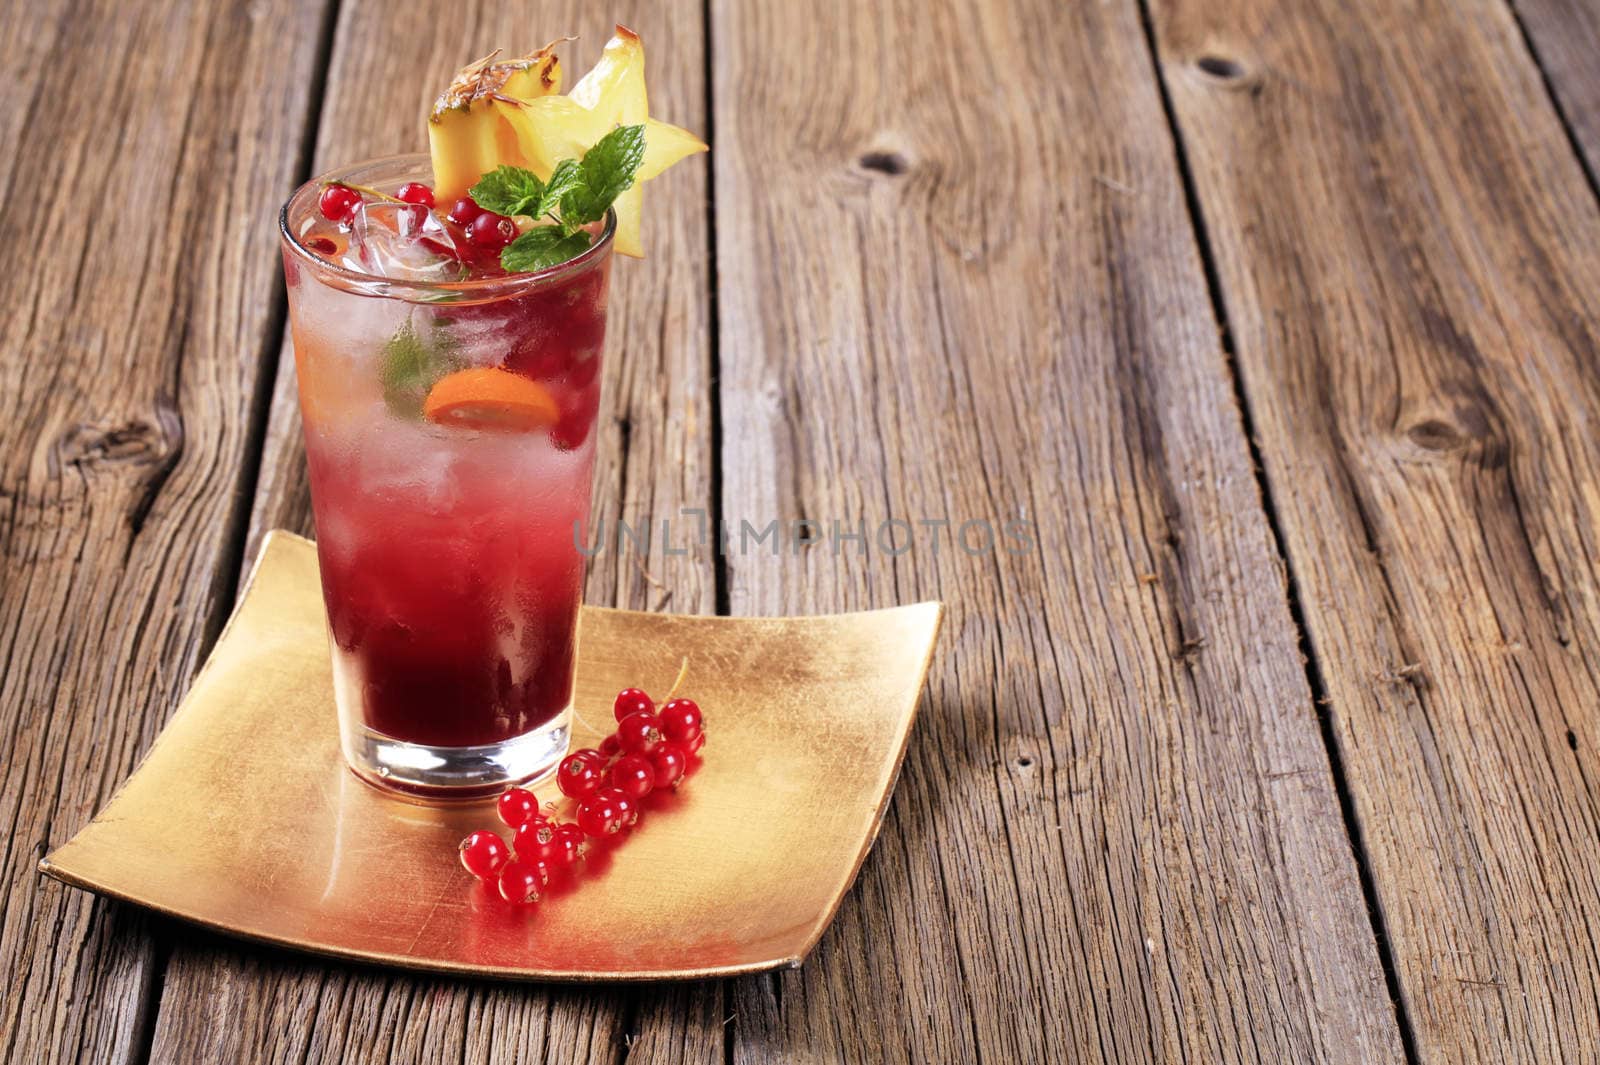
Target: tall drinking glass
449, 433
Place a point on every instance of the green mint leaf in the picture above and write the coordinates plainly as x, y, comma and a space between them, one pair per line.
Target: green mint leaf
567, 176
542, 247
607, 171
411, 364
508, 190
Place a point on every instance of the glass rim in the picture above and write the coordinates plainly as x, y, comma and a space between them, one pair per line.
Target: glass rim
478, 289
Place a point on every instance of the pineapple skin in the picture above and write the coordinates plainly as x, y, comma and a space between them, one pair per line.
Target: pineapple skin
467, 133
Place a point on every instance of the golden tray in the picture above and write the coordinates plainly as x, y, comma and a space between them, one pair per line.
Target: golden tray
244, 818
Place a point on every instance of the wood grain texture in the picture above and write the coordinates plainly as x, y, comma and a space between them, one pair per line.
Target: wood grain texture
229, 1002
129, 348
958, 281
1565, 38
1417, 336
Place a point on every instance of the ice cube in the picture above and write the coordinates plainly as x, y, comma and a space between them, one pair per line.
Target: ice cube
402, 241
339, 327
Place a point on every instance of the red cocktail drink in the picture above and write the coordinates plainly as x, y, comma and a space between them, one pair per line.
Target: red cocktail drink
449, 414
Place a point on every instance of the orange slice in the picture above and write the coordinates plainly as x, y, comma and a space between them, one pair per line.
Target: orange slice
490, 398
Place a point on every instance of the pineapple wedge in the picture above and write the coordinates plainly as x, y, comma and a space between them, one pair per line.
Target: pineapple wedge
467, 135
538, 130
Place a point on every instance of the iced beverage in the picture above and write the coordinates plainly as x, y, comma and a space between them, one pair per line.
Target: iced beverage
449, 415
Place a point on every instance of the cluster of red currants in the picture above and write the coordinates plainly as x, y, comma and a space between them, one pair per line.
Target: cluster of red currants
650, 750
474, 232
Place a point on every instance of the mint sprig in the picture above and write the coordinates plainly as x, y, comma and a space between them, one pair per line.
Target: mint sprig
541, 247
508, 190
607, 172
411, 363
578, 193
564, 179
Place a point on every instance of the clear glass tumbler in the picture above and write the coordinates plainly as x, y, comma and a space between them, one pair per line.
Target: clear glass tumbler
449, 433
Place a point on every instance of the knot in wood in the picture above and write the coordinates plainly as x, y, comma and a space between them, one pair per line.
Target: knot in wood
1435, 434
1220, 67
137, 441
891, 163
1466, 428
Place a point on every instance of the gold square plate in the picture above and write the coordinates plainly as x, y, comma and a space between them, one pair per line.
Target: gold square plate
244, 818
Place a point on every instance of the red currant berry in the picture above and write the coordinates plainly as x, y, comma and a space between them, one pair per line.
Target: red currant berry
568, 844
516, 806
416, 192
669, 761
484, 854
681, 720
579, 774
533, 839
630, 701
633, 775
639, 732
601, 814
522, 881
338, 203
322, 245
463, 211
609, 747
492, 231
695, 744
627, 809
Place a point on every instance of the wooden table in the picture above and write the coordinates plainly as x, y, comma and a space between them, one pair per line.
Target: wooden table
1277, 319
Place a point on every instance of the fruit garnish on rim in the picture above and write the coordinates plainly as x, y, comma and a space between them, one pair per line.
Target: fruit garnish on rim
516, 165
465, 131
501, 114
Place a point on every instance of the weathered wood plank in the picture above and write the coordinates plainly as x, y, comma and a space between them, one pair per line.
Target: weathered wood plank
1417, 335
224, 1001
138, 147
1565, 37
958, 281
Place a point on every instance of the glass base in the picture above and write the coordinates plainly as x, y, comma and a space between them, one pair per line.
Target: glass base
424, 771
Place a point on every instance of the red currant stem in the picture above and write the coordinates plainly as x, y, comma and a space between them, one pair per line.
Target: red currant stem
555, 806
683, 671
365, 190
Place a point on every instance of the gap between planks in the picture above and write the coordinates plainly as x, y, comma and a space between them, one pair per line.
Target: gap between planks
1313, 666
1574, 142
